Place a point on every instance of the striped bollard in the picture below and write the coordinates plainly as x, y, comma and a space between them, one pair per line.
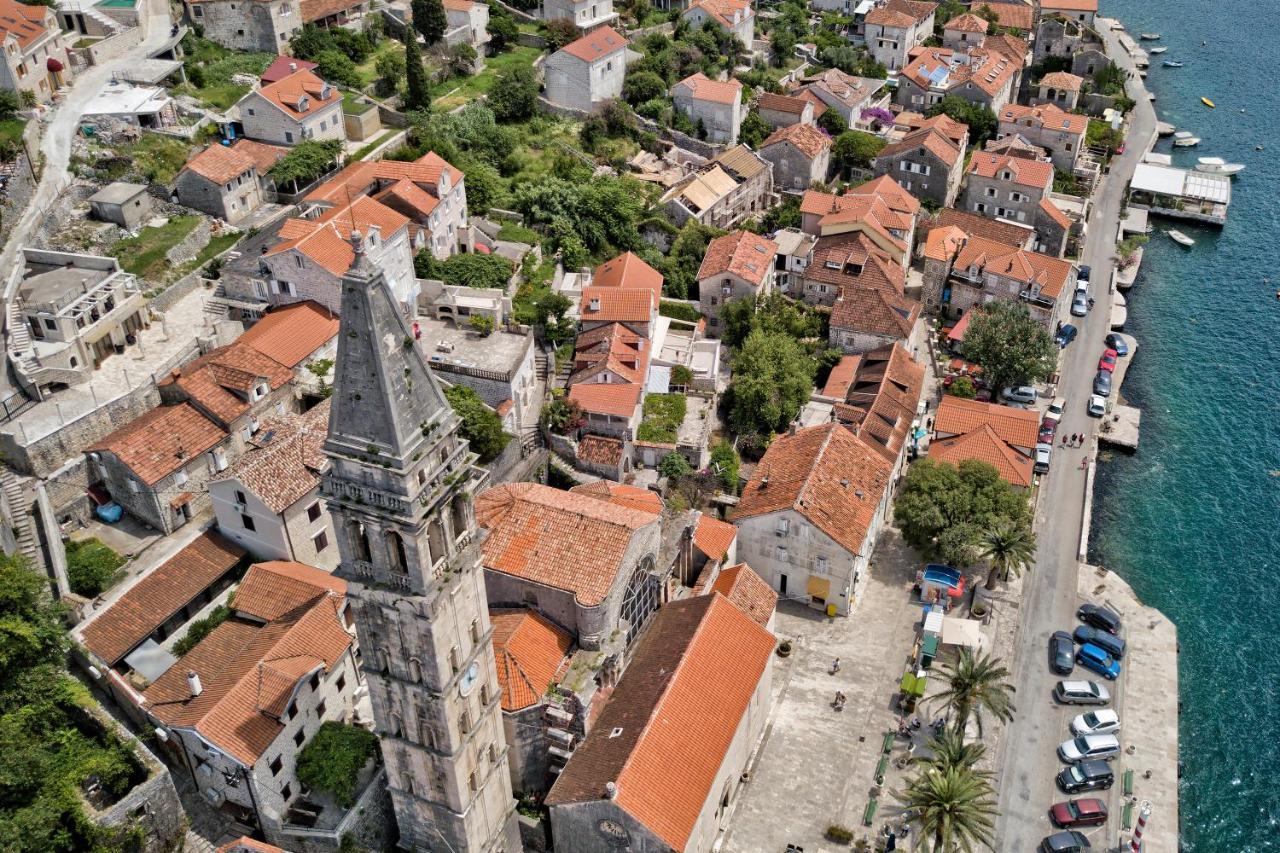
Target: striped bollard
1135, 846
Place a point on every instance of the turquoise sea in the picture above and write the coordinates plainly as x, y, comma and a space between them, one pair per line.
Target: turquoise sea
1192, 520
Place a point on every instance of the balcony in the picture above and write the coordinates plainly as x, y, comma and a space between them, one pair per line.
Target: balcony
1036, 299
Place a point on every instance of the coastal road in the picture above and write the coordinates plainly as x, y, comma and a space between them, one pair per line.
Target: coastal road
55, 145
1026, 783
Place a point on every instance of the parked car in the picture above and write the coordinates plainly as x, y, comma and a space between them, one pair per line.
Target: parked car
1081, 693
1097, 406
1065, 842
1080, 305
1102, 384
1109, 643
1086, 776
1087, 811
1061, 653
1044, 453
1108, 361
1021, 394
1048, 429
1117, 342
1099, 617
1101, 722
1097, 660
1055, 410
1083, 272
1066, 335
1086, 747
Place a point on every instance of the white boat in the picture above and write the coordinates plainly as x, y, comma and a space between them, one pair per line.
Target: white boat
1149, 36
1169, 63
1218, 166
1180, 238
1157, 50
1185, 139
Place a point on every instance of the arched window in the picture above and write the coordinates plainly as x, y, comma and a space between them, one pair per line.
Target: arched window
359, 539
435, 539
459, 516
384, 661
395, 552
415, 669
641, 598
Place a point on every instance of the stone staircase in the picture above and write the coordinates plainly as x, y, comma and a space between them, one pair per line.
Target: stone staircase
20, 342
541, 364
23, 517
214, 305
112, 26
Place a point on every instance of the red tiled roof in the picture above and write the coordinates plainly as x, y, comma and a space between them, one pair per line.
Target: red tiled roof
930, 139
629, 272
274, 588
327, 240
984, 445
1050, 6
245, 844
942, 243
568, 541
284, 468
288, 92
875, 310
530, 651
748, 256
1051, 210
880, 399
25, 23
1048, 116
318, 10
291, 333
162, 441
632, 497
847, 89
1018, 427
600, 450
747, 591
967, 23
1028, 173
825, 473
805, 138
781, 103
723, 10
158, 595
703, 88
854, 260
283, 66
363, 177
841, 376
1031, 268
989, 69
976, 225
209, 380
1062, 80
596, 44
220, 163
612, 305
714, 537
1013, 15
664, 735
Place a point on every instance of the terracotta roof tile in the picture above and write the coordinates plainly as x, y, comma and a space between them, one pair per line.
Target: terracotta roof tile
934, 141
781, 103
724, 10
984, 445
881, 398
673, 716
703, 88
742, 253
282, 66
1051, 210
942, 243
220, 164
607, 398
841, 376
1062, 80
599, 450
612, 305
318, 10
987, 68
1014, 15
854, 260
805, 138
568, 541
159, 594
825, 473
1028, 173
364, 177
1049, 274
1015, 145
714, 537
328, 241
976, 225
291, 333
1048, 116
287, 93
1050, 6
747, 591
888, 191
25, 23
272, 589
162, 441
596, 44
875, 310
209, 380
967, 23
630, 272
245, 844
1017, 427
530, 652
847, 89
284, 460
632, 497
819, 106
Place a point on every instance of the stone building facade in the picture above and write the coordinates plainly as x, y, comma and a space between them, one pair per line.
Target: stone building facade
295, 109
586, 73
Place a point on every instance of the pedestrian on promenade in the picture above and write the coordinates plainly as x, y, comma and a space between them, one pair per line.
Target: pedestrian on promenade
1064, 439
835, 666
1084, 463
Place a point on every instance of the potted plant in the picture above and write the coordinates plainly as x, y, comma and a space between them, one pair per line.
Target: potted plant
784, 649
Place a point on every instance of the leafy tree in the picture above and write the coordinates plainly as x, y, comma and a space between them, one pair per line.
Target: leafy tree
461, 59
855, 149
336, 67
832, 122
975, 684
852, 60
643, 86
475, 269
551, 310
981, 120
783, 44
484, 185
305, 162
772, 379
514, 96
331, 761
481, 426
950, 751
1010, 549
562, 416
503, 30
201, 628
680, 266
390, 69
674, 466
92, 567
753, 130
1012, 347
418, 89
559, 32
313, 40
959, 502
429, 19
785, 215
954, 807
775, 314
657, 109
947, 10
8, 103
31, 632
725, 462
963, 388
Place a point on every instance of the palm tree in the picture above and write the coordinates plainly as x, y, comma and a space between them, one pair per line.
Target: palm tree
950, 751
975, 684
1010, 548
955, 805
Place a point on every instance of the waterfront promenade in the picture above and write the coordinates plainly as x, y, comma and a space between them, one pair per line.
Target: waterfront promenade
1052, 589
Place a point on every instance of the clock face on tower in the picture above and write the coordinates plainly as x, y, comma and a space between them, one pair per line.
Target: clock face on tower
468, 681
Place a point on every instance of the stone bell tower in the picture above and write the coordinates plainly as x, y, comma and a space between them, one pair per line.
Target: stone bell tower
400, 486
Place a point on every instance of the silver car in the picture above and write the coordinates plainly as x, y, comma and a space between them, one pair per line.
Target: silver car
1021, 394
1089, 747
1104, 721
1097, 405
1080, 305
1081, 693
1043, 452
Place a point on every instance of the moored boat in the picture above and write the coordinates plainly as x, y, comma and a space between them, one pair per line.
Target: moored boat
1180, 238
1157, 50
1208, 103
1149, 36
1185, 139
1218, 166
1169, 63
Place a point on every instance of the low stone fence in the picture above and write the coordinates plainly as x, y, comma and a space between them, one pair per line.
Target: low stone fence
1095, 104
681, 140
107, 49
189, 246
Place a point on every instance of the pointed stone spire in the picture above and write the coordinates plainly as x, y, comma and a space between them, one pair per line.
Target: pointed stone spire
385, 399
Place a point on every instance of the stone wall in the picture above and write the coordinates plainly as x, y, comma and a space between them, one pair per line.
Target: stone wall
21, 186
111, 48
1096, 104
151, 812
189, 246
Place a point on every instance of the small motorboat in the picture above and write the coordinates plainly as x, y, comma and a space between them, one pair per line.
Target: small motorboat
1185, 139
1169, 63
1157, 50
1180, 238
1149, 36
1208, 103
1218, 166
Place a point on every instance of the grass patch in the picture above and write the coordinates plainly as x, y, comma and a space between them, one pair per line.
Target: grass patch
352, 105
85, 42
368, 69
331, 761
154, 158
210, 68
144, 255
216, 246
663, 414
366, 150
11, 132
519, 234
457, 91
92, 567
679, 311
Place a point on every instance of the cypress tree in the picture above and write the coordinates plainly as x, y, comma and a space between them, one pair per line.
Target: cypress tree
418, 94
429, 19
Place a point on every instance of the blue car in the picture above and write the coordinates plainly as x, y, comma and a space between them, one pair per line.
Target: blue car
1117, 343
1097, 660
1066, 335
1083, 273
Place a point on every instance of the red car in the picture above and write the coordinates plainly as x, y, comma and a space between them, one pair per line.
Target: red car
1048, 429
1108, 361
1084, 812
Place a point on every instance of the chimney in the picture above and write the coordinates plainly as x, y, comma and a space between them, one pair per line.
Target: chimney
293, 66
193, 681
611, 790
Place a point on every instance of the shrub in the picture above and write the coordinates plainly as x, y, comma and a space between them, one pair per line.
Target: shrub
679, 311
725, 463
331, 761
663, 414
92, 567
674, 466
472, 269
481, 324
839, 834
201, 628
481, 426
963, 388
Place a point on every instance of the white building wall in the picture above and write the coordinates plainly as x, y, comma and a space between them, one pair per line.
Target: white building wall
266, 122
579, 85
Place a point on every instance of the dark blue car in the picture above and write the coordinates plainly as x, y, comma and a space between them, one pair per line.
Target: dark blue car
1067, 334
1109, 643
1095, 659
1117, 343
1083, 273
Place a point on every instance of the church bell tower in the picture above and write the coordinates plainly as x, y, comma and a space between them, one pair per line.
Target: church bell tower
400, 487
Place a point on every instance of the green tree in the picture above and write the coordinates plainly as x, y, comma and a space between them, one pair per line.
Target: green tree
475, 269
954, 807
390, 69
943, 509
680, 265
772, 379
514, 96
337, 67
551, 310
783, 44
8, 103
643, 86
832, 122
429, 19
481, 426
962, 387
462, 59
725, 463
305, 162
1012, 347
331, 761
92, 567
674, 466
951, 751
1009, 549
481, 324
418, 89
754, 130
562, 416
975, 683
484, 185
855, 150
559, 32
503, 30
981, 120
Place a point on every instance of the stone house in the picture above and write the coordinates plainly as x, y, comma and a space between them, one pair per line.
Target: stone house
964, 271
467, 23
713, 106
35, 50
588, 565
737, 17
727, 189
800, 155
880, 209
127, 205
1060, 88
1017, 189
784, 110
795, 253
240, 706
738, 265
586, 73
1059, 132
964, 31
296, 108
1080, 11
844, 93
264, 25
981, 76
499, 367
998, 435
864, 286
587, 15
809, 517
876, 395
929, 162
893, 29
228, 181
691, 706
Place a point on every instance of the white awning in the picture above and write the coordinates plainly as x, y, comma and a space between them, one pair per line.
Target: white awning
1152, 178
961, 632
